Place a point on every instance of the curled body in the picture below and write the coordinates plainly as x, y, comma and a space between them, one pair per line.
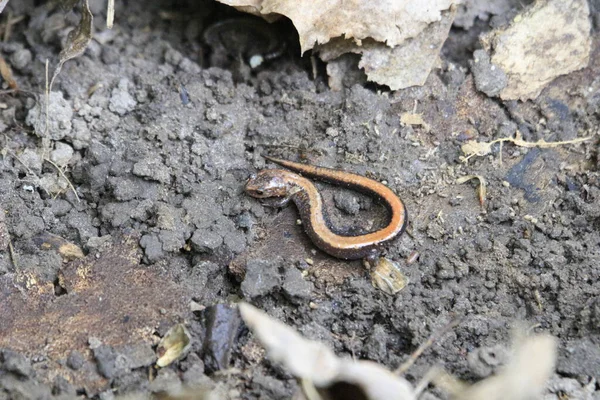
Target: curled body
294, 186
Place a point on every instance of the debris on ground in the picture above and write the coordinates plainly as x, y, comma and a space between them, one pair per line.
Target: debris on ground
221, 323
106, 296
390, 56
531, 55
318, 368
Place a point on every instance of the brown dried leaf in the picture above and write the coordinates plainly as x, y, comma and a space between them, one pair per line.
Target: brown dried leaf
7, 74
78, 39
66, 249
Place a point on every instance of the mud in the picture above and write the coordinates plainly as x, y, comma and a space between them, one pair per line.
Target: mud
160, 150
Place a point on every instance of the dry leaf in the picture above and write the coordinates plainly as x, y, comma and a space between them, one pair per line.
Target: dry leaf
523, 378
414, 119
481, 189
399, 41
66, 249
318, 21
532, 55
7, 75
173, 345
78, 39
387, 277
314, 362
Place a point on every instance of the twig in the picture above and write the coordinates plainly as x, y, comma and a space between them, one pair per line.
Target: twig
62, 173
434, 336
110, 14
13, 255
45, 139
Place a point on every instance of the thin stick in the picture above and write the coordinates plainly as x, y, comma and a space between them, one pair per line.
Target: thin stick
62, 173
434, 336
45, 139
110, 14
13, 255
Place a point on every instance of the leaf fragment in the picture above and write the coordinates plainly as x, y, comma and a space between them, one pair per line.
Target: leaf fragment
481, 188
7, 74
78, 39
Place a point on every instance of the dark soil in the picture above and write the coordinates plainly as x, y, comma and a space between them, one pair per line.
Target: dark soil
158, 131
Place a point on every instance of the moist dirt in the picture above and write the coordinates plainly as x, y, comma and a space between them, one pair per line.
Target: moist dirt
157, 131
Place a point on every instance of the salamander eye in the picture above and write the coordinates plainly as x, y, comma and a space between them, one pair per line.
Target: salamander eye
260, 192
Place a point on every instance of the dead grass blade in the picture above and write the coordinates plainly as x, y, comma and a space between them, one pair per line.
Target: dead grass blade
78, 39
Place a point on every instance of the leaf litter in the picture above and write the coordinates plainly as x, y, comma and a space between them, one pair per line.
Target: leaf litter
319, 370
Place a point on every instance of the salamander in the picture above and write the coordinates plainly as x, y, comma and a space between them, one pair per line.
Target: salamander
285, 185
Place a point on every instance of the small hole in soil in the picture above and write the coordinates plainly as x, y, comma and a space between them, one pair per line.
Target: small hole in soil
58, 290
345, 391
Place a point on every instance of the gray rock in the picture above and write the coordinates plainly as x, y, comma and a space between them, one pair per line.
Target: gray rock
16, 363
81, 134
152, 168
295, 286
274, 387
31, 160
489, 78
75, 360
173, 56
376, 344
60, 114
262, 277
62, 154
222, 323
121, 101
579, 357
20, 59
152, 247
206, 241
347, 202
166, 380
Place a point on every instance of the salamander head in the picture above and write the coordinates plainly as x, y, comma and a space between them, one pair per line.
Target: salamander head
269, 183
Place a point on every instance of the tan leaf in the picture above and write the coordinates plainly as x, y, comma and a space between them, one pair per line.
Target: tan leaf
6, 73
317, 21
532, 55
